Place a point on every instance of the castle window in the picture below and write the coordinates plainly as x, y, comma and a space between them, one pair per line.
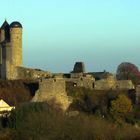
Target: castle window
93, 85
75, 84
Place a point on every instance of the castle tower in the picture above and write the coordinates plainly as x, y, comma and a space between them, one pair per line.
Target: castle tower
5, 34
4, 56
10, 49
16, 43
79, 67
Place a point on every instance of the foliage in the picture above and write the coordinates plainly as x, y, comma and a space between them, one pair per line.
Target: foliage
121, 107
93, 101
128, 71
14, 92
89, 101
38, 121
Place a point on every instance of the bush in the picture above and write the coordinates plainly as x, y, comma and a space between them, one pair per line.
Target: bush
120, 108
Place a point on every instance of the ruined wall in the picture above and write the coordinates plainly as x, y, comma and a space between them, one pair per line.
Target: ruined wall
53, 91
86, 81
30, 74
124, 84
111, 83
100, 75
104, 85
76, 75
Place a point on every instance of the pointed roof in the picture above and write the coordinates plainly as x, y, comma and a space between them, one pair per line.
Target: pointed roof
4, 24
3, 103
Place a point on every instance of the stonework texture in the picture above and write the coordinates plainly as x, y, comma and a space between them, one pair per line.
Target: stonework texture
53, 91
112, 83
79, 80
30, 74
16, 45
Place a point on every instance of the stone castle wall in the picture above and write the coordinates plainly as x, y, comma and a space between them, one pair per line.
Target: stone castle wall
83, 81
30, 74
53, 91
106, 84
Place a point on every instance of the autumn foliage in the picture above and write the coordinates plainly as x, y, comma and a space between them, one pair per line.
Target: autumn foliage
121, 107
14, 92
128, 71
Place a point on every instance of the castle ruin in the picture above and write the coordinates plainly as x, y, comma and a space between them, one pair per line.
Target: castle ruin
50, 85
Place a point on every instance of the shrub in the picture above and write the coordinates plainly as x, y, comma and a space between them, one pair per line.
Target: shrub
120, 108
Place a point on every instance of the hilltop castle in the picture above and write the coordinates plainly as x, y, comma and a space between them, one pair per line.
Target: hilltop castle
11, 64
50, 85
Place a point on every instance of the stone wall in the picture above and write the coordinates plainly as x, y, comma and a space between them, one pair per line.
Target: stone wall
86, 81
100, 75
7, 68
124, 84
111, 83
53, 91
30, 74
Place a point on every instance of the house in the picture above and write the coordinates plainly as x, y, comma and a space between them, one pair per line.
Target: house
4, 107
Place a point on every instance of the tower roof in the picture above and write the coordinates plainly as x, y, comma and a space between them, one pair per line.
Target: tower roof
15, 24
5, 24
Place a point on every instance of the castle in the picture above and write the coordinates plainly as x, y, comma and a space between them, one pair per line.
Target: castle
50, 85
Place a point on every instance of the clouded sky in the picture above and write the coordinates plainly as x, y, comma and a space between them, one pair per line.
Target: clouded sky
57, 33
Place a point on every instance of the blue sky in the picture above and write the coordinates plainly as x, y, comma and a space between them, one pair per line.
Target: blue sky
57, 33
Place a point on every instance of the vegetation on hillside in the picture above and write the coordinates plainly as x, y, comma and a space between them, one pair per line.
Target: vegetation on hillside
39, 121
103, 115
17, 92
100, 115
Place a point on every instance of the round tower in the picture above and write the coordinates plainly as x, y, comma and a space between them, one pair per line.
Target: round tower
16, 43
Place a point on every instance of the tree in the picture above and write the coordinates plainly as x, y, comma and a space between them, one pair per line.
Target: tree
128, 71
120, 108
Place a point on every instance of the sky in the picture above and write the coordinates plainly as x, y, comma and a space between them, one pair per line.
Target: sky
57, 33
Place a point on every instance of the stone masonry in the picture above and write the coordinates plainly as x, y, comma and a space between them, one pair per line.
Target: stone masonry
53, 91
11, 49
